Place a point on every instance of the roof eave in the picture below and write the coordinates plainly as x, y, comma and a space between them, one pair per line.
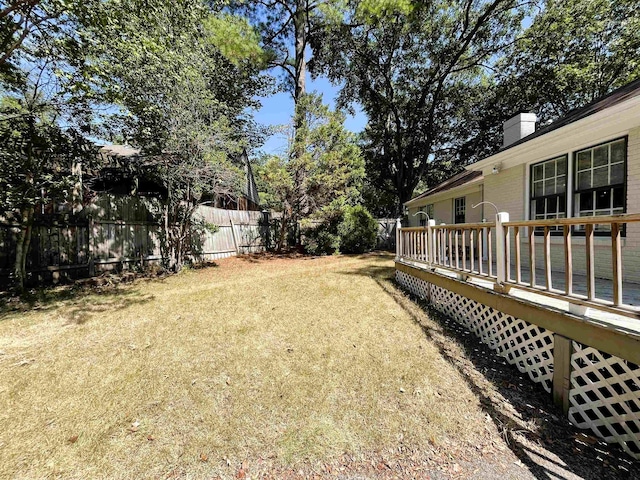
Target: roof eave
591, 122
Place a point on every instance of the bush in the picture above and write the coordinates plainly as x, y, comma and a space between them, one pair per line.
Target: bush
319, 241
320, 232
338, 228
358, 230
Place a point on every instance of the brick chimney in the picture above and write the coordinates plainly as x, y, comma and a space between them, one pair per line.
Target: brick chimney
518, 127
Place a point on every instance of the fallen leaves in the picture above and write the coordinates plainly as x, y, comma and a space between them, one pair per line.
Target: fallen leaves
241, 474
73, 439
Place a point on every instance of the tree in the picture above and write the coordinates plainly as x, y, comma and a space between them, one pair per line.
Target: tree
410, 69
172, 78
328, 167
38, 167
182, 100
285, 26
574, 52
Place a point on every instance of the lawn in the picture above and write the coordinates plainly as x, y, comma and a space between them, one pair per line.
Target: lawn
284, 361
278, 366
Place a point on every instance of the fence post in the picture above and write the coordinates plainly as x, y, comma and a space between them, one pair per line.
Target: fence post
398, 239
233, 233
91, 238
501, 254
266, 231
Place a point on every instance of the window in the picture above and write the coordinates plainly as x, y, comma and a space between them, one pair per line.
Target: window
600, 180
459, 209
549, 189
429, 211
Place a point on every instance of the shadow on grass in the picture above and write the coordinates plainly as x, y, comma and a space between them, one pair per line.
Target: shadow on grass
78, 303
520, 401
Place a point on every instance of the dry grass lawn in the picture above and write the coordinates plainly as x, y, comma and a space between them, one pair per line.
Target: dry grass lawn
253, 364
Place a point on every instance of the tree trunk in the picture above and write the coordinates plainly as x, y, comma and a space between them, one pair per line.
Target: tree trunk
300, 25
22, 249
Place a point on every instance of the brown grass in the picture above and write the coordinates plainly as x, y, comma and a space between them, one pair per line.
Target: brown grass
275, 362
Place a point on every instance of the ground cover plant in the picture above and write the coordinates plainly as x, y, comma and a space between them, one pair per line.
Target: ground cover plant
265, 366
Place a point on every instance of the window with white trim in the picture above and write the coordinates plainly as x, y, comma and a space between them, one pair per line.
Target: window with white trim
549, 189
460, 208
429, 211
600, 180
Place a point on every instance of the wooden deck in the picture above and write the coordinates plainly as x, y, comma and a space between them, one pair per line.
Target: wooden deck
604, 287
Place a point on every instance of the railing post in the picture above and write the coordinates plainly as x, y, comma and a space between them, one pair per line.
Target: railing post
398, 239
430, 243
485, 241
443, 247
501, 254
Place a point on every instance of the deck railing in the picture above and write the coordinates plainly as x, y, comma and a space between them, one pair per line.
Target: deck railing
495, 250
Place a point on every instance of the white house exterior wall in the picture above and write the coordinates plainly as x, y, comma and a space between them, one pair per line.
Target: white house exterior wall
509, 190
443, 206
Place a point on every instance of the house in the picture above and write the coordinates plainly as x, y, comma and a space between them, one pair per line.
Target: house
249, 199
586, 163
115, 178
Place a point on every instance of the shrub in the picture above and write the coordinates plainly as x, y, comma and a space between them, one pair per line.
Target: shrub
358, 230
320, 232
319, 241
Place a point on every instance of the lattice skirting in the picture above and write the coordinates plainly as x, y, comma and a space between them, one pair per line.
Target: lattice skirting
605, 396
527, 346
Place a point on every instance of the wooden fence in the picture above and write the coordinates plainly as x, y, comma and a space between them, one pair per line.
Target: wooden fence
119, 232
238, 232
386, 234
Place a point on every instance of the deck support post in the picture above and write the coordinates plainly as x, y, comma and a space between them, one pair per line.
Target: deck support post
562, 350
501, 248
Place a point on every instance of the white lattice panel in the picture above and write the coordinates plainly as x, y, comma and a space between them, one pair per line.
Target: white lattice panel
416, 286
605, 397
527, 346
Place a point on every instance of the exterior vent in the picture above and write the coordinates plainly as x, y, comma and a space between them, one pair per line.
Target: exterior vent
518, 127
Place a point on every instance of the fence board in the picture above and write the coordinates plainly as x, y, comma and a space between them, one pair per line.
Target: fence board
114, 231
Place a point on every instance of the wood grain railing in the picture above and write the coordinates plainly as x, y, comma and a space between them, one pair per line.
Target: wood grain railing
506, 252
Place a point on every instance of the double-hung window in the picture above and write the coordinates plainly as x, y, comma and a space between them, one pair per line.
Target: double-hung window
549, 189
460, 209
430, 211
600, 180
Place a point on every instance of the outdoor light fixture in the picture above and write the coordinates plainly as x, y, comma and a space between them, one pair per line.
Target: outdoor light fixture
496, 168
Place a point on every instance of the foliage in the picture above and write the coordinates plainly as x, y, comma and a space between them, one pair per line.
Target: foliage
38, 168
284, 27
327, 166
574, 52
155, 75
320, 230
169, 71
358, 230
411, 71
339, 228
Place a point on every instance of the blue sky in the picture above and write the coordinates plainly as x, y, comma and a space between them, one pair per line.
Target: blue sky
277, 110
